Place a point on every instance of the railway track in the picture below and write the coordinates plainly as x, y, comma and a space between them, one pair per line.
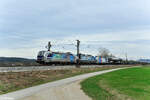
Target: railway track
52, 67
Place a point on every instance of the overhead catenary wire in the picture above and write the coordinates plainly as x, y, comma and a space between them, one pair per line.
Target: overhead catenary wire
86, 47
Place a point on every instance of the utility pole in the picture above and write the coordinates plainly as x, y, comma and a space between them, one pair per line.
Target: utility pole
78, 55
49, 46
126, 57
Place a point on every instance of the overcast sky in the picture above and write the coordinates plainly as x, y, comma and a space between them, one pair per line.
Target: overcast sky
122, 26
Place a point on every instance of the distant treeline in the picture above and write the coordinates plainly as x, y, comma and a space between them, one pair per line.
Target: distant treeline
15, 61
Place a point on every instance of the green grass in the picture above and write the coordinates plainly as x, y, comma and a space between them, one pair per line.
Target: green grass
124, 84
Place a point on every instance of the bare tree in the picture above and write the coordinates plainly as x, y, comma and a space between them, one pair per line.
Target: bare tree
111, 55
103, 52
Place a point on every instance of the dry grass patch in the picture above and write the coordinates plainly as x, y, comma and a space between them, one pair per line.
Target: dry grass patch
115, 94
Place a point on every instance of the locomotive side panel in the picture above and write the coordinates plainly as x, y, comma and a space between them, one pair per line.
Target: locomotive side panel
60, 58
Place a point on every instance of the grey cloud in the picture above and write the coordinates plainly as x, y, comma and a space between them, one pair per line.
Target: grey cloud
23, 21
75, 15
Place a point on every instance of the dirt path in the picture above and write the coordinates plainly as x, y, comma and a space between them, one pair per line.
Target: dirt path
70, 91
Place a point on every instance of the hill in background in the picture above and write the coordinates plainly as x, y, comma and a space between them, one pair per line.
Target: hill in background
15, 61
144, 60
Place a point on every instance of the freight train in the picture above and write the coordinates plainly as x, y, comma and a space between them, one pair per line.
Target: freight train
48, 57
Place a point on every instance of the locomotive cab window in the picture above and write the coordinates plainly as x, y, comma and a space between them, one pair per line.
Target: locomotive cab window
41, 53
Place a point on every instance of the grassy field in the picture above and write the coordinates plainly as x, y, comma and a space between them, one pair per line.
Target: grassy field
125, 84
13, 81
